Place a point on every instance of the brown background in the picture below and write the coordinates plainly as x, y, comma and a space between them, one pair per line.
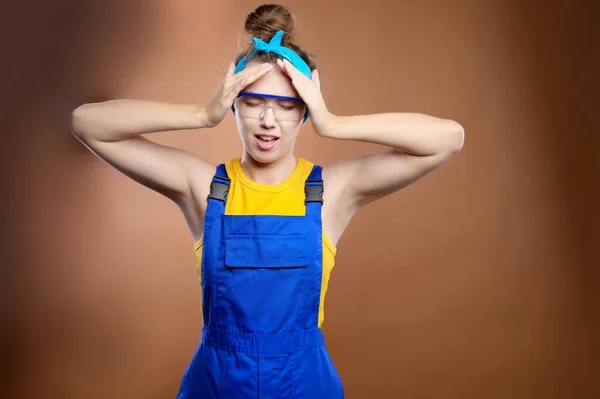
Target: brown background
480, 281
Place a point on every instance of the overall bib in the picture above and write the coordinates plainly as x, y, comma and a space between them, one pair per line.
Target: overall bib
261, 282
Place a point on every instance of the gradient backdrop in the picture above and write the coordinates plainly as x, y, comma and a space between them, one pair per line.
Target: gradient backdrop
480, 281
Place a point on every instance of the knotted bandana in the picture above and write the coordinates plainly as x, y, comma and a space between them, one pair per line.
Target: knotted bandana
274, 46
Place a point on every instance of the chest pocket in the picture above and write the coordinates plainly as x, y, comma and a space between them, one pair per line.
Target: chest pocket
266, 251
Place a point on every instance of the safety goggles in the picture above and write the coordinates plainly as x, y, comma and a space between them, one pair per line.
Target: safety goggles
285, 109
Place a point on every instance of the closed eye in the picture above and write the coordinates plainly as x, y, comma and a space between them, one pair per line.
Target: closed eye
288, 106
253, 103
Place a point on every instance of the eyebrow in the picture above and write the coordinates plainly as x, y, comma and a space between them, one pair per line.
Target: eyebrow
249, 94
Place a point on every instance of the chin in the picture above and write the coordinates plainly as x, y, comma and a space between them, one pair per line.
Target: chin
264, 157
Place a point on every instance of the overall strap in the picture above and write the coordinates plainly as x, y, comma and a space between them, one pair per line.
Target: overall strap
219, 188
313, 189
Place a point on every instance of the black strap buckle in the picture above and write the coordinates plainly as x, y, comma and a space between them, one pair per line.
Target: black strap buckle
314, 192
219, 190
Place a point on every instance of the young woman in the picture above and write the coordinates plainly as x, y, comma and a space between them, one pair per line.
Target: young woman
265, 225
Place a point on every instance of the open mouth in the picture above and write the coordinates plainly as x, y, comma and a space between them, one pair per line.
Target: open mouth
267, 139
266, 143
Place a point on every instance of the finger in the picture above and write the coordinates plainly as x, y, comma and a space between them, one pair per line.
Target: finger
315, 77
256, 73
249, 76
239, 84
284, 66
281, 65
248, 70
292, 71
261, 70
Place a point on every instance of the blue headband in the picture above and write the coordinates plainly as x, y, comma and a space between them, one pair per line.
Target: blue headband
274, 46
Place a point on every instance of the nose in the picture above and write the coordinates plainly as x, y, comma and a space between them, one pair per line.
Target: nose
268, 117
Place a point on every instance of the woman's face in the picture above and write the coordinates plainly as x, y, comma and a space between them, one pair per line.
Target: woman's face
267, 131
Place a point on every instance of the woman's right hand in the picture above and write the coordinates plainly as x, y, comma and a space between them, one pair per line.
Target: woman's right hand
232, 85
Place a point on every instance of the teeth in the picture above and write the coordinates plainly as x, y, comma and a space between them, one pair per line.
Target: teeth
266, 138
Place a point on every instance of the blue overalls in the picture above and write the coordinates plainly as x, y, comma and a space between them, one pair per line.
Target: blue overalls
261, 282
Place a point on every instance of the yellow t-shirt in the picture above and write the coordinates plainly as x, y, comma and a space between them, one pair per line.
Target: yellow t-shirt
247, 197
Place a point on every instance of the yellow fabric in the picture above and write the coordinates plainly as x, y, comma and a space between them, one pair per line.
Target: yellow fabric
247, 197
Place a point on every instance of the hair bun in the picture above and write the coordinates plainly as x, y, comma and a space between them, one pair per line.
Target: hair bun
267, 19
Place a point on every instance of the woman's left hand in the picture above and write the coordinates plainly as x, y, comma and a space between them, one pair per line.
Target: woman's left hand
310, 91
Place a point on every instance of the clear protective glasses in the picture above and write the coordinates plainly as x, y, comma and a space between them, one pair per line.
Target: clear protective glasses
285, 109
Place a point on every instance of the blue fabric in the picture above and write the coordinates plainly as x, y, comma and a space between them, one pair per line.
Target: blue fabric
274, 46
261, 282
275, 251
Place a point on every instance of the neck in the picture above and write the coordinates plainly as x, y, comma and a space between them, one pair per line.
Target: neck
275, 172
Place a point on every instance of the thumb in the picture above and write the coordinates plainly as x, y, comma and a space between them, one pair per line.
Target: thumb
231, 69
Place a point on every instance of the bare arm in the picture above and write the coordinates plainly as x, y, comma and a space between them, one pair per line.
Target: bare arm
112, 131
418, 144
122, 119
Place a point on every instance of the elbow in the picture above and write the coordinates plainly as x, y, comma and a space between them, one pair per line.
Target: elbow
456, 139
451, 140
78, 121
